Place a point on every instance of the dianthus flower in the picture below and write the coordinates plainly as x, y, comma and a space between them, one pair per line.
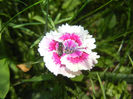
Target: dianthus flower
68, 50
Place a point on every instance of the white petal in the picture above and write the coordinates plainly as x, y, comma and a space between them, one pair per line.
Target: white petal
85, 65
56, 69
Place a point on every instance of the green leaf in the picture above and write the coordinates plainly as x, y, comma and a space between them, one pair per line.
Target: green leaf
112, 22
36, 42
39, 19
78, 78
43, 77
57, 17
4, 78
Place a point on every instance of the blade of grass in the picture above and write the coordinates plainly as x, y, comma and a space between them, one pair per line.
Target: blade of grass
116, 36
21, 2
25, 24
71, 90
93, 97
12, 18
42, 77
116, 67
39, 19
101, 85
120, 47
36, 42
129, 16
46, 26
63, 20
115, 77
57, 17
58, 20
130, 60
83, 6
93, 88
91, 20
94, 11
48, 17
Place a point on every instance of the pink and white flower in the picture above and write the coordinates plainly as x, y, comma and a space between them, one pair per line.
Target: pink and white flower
68, 50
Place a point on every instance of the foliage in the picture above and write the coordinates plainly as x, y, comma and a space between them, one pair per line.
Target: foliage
24, 22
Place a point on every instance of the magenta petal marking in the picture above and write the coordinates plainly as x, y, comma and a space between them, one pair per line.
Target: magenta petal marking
72, 36
56, 58
70, 43
52, 45
76, 38
78, 59
57, 45
76, 54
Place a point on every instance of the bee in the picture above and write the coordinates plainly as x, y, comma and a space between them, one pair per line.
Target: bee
60, 49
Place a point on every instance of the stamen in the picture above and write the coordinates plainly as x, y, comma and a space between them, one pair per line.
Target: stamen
69, 46
69, 50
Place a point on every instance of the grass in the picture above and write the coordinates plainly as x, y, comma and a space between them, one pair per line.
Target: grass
24, 23
101, 85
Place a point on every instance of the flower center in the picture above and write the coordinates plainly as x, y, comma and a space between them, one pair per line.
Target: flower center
67, 47
68, 50
70, 46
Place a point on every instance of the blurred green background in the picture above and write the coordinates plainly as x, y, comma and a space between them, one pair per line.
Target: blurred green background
23, 74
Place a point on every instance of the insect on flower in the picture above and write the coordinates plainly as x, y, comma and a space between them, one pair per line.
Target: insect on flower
60, 49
